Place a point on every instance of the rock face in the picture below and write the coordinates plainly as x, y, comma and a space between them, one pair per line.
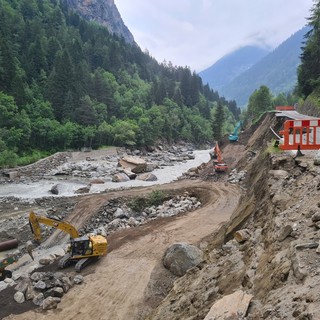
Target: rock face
180, 257
103, 12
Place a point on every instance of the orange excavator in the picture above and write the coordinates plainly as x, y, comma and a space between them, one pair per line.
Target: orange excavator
219, 165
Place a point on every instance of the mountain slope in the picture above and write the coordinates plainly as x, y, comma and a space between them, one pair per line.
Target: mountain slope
232, 65
103, 12
277, 70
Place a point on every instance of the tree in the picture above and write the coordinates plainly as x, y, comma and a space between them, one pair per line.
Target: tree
259, 102
217, 122
309, 70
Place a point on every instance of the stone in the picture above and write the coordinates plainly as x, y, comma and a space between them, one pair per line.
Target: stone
36, 276
316, 160
50, 303
242, 235
78, 279
232, 306
180, 257
54, 292
285, 232
120, 177
38, 299
41, 285
134, 164
3, 285
83, 190
22, 286
55, 189
19, 297
147, 177
46, 261
97, 181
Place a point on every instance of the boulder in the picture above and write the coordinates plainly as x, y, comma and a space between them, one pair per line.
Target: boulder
120, 177
134, 164
232, 306
50, 303
19, 297
55, 189
242, 235
83, 190
147, 177
180, 257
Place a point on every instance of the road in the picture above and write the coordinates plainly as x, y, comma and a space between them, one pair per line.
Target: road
115, 286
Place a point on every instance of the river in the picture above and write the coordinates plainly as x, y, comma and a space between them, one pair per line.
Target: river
68, 187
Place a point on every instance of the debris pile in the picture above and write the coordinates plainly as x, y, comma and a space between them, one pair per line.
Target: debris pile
44, 289
116, 215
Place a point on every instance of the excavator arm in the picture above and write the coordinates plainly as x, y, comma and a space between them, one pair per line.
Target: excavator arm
35, 221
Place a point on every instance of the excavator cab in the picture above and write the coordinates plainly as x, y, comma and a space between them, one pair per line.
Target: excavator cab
81, 246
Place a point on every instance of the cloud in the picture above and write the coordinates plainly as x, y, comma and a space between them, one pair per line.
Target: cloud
199, 32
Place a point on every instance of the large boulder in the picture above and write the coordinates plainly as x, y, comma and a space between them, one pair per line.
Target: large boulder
232, 306
134, 164
147, 177
120, 177
180, 257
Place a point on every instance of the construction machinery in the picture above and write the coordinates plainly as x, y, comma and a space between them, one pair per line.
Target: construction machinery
234, 137
219, 165
82, 249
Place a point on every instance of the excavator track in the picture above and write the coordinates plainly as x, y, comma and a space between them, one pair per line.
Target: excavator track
65, 261
82, 263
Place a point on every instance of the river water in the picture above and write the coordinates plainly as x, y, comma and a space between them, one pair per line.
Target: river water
67, 188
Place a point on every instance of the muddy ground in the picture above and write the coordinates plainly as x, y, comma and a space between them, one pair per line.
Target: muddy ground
130, 281
277, 203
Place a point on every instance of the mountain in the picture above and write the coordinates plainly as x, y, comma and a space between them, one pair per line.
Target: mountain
103, 12
277, 70
231, 66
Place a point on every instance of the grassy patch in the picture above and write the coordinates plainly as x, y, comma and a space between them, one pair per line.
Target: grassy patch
155, 198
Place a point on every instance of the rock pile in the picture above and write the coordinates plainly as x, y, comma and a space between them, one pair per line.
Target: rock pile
125, 165
44, 289
115, 215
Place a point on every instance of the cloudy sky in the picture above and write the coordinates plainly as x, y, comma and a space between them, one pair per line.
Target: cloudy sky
196, 33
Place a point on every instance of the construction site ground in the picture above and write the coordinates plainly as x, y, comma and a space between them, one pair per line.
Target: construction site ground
130, 281
274, 204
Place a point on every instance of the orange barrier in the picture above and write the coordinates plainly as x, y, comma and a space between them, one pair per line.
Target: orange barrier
301, 135
285, 108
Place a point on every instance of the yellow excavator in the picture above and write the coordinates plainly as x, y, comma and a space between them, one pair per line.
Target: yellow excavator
82, 250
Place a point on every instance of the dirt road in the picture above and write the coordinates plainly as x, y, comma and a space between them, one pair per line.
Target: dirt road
115, 286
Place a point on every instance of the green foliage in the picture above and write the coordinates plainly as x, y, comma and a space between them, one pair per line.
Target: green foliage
155, 198
8, 158
34, 156
68, 83
259, 102
309, 70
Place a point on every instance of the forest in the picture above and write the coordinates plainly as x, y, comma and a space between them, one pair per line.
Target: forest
66, 83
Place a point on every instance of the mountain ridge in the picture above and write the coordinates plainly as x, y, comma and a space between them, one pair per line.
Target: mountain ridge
231, 65
276, 70
104, 12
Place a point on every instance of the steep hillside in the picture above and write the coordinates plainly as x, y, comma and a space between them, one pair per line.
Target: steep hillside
231, 66
277, 70
103, 12
275, 268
